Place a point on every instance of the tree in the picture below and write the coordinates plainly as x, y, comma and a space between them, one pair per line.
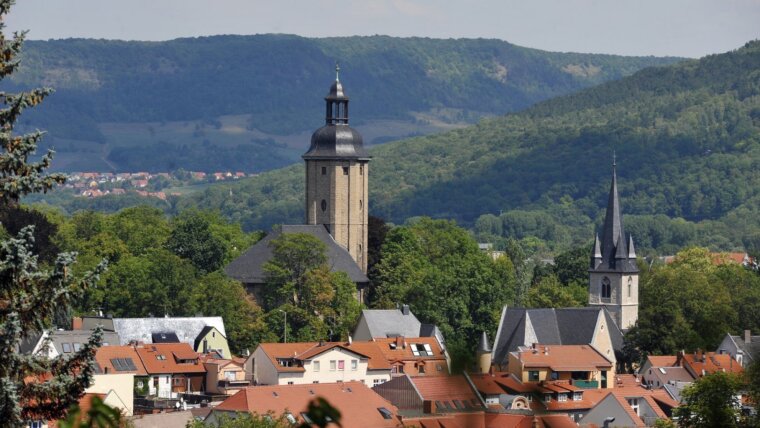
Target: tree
32, 387
191, 239
711, 401
549, 293
319, 304
572, 266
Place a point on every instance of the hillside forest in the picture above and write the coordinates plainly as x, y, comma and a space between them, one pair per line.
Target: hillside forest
249, 103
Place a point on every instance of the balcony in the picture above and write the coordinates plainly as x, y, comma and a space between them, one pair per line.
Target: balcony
227, 383
586, 384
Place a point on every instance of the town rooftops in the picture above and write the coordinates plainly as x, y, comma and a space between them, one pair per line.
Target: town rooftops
391, 323
186, 329
748, 344
249, 267
359, 406
164, 358
562, 358
449, 393
68, 341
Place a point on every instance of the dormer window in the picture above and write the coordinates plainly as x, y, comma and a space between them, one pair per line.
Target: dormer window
577, 396
562, 397
547, 398
422, 350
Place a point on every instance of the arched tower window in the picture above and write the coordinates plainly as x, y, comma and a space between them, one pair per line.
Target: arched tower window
630, 284
606, 288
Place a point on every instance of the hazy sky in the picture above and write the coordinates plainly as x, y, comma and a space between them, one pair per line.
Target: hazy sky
630, 27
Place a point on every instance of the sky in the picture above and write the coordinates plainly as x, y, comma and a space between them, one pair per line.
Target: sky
688, 28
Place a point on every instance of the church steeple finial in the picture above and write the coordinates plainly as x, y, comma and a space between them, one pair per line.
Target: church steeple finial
614, 246
337, 72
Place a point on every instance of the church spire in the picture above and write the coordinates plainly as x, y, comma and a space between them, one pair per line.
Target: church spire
613, 245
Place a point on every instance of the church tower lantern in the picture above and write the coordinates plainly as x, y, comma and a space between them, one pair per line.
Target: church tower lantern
337, 176
613, 273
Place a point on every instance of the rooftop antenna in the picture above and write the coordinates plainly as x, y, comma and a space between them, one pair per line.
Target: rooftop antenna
614, 158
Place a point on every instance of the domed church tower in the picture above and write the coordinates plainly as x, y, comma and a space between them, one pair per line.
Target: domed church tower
337, 176
613, 273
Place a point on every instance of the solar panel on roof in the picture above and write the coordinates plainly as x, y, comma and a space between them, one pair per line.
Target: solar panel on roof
130, 364
116, 362
448, 405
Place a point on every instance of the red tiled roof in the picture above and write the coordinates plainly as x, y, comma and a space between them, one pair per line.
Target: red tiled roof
356, 402
562, 358
710, 362
105, 354
402, 351
662, 360
159, 358
307, 350
486, 384
443, 387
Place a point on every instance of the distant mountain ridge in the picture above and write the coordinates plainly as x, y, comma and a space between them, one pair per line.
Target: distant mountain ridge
242, 102
687, 138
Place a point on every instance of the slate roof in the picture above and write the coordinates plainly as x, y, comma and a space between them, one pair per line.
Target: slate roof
186, 328
560, 326
751, 350
391, 323
72, 337
248, 268
615, 252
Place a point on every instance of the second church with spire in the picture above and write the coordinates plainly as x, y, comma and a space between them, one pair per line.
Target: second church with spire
613, 273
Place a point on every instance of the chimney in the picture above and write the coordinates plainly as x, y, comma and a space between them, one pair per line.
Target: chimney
405, 309
536, 423
747, 337
76, 323
350, 340
428, 407
679, 358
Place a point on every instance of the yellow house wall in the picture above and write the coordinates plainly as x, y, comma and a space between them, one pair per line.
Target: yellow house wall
122, 384
215, 340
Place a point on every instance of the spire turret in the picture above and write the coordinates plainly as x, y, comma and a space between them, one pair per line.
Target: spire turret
613, 247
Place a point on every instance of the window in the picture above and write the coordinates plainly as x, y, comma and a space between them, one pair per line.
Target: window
354, 365
332, 365
422, 350
316, 381
77, 347
385, 412
606, 288
341, 365
66, 347
577, 396
630, 283
547, 398
324, 170
345, 170
316, 366
533, 375
421, 369
229, 375
290, 383
35, 424
361, 169
376, 382
562, 397
324, 205
555, 375
634, 403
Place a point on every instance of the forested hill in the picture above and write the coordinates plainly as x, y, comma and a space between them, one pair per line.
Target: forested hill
687, 138
226, 102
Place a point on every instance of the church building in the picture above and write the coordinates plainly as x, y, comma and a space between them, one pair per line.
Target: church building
337, 172
612, 306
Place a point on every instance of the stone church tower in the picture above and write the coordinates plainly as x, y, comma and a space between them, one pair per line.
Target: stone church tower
336, 178
613, 274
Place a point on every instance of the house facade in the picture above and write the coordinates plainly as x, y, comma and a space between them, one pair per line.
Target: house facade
172, 368
314, 362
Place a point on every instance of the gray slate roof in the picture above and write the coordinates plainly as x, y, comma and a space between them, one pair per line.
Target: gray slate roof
248, 268
751, 350
59, 337
186, 328
560, 326
391, 323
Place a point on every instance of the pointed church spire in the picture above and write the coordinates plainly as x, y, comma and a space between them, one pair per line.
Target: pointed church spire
620, 248
596, 256
483, 344
613, 225
631, 250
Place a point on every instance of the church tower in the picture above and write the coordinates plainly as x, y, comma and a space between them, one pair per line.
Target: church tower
336, 178
613, 274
